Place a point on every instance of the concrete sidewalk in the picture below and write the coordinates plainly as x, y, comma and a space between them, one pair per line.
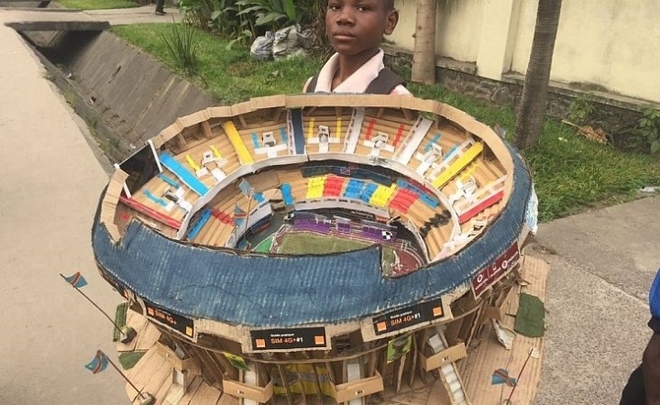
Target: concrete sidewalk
138, 15
602, 266
602, 262
51, 182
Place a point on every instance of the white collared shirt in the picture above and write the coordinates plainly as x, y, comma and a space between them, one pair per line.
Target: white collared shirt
358, 81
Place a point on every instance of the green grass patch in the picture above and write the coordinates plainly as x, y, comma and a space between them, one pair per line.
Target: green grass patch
231, 75
97, 4
128, 360
300, 243
264, 246
304, 243
120, 319
571, 173
530, 320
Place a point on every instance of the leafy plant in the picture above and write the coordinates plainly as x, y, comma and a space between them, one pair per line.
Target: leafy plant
199, 12
182, 44
226, 21
243, 20
240, 38
269, 13
581, 108
648, 128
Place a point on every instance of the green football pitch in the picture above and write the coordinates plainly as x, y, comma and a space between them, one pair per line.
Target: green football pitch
305, 243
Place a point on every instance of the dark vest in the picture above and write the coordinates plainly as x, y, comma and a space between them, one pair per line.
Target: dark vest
384, 83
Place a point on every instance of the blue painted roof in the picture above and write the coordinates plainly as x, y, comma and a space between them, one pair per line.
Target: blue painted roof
284, 291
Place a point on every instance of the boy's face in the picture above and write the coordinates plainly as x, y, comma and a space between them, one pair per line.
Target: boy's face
355, 27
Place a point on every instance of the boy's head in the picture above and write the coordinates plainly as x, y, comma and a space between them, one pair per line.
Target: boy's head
356, 27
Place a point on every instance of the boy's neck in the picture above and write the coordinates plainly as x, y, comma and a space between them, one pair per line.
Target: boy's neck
349, 64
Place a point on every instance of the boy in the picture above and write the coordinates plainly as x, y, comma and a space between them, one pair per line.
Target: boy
355, 28
643, 387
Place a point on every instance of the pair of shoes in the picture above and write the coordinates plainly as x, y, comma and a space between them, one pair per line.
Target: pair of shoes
160, 12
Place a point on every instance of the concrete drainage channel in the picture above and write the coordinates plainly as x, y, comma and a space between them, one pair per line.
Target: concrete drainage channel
124, 95
24, 3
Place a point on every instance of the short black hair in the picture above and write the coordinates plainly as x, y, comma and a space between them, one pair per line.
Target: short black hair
389, 4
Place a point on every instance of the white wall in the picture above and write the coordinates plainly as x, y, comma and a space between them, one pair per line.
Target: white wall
457, 28
611, 43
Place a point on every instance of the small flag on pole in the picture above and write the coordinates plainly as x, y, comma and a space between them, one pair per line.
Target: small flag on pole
501, 376
239, 215
77, 280
246, 188
98, 363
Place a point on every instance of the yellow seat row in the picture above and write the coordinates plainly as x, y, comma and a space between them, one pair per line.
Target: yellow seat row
237, 142
461, 163
315, 187
382, 195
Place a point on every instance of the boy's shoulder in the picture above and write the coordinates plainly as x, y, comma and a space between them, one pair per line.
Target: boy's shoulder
387, 82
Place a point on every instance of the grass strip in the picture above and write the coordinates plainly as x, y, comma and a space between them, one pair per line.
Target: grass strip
97, 4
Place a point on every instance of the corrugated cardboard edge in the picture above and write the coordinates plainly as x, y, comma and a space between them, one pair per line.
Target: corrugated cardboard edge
109, 203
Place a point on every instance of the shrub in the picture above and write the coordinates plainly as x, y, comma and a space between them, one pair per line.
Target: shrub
182, 44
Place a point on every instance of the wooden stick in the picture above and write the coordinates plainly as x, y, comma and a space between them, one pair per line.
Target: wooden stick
124, 376
531, 350
96, 306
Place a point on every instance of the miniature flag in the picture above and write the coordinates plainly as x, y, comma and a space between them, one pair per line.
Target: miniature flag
77, 280
501, 376
239, 215
246, 188
98, 363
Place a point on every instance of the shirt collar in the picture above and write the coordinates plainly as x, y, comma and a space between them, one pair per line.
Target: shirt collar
357, 82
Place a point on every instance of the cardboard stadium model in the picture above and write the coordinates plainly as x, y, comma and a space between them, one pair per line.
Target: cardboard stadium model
316, 246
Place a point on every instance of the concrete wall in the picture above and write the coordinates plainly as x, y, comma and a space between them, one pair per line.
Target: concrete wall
458, 28
609, 45
125, 94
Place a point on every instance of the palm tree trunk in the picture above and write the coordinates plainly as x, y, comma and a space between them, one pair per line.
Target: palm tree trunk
535, 91
423, 69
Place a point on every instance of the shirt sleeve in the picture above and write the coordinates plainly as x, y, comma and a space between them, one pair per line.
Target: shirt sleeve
654, 303
401, 90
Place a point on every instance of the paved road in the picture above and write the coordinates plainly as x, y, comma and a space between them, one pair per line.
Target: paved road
601, 270
602, 262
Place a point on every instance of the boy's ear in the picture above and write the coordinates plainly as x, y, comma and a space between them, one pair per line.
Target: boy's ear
391, 21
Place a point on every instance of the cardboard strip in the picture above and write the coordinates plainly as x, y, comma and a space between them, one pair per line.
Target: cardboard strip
153, 214
237, 143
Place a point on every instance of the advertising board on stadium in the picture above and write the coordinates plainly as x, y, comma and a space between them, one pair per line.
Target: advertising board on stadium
492, 273
284, 339
412, 315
